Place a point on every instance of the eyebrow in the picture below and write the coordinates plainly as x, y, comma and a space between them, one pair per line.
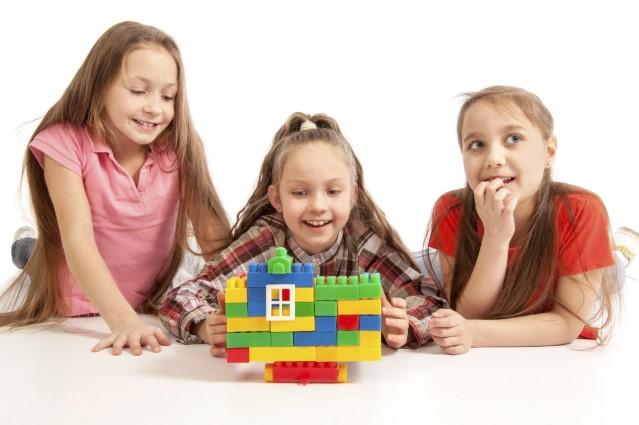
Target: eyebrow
334, 180
147, 81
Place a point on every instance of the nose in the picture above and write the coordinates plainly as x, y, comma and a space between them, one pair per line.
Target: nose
495, 156
153, 104
318, 201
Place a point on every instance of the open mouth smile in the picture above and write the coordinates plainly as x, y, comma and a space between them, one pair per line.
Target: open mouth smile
316, 224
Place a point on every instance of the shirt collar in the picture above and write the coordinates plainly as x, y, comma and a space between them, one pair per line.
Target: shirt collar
317, 259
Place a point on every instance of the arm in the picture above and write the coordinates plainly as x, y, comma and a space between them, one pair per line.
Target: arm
575, 297
73, 213
191, 303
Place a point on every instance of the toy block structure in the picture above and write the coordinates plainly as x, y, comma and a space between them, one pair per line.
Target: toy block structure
305, 325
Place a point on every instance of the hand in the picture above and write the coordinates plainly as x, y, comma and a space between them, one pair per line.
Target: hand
394, 321
134, 334
213, 329
495, 206
450, 331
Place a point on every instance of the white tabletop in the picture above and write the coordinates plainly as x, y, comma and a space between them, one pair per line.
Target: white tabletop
49, 376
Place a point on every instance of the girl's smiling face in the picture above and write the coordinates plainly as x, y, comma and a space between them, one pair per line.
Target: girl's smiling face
315, 194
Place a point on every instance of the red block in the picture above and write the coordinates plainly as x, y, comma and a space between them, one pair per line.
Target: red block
286, 294
348, 323
237, 355
305, 372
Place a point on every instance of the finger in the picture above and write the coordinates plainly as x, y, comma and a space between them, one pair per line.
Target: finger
218, 340
216, 319
394, 312
457, 349
443, 322
400, 324
501, 194
217, 351
385, 302
480, 193
510, 204
216, 330
161, 336
221, 301
395, 340
442, 312
398, 302
104, 343
134, 344
444, 332
450, 341
118, 344
152, 343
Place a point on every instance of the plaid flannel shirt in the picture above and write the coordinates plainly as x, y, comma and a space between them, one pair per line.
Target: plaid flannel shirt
356, 250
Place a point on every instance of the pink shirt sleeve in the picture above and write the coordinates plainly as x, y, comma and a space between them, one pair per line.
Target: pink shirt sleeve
61, 142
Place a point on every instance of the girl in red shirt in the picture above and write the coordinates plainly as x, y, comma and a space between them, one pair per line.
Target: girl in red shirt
523, 259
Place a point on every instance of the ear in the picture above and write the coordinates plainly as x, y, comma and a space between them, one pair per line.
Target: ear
274, 198
551, 149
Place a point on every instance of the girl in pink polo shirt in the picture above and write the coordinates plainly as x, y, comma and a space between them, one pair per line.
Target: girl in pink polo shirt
116, 173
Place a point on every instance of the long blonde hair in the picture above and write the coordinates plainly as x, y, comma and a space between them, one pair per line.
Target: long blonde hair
528, 286
288, 136
82, 105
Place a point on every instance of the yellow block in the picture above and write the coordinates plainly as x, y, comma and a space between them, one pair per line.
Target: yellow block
236, 282
282, 354
268, 373
299, 324
246, 324
304, 294
359, 307
370, 338
358, 354
326, 354
236, 295
342, 375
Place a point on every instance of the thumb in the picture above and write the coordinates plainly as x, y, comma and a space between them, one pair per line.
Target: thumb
221, 301
385, 302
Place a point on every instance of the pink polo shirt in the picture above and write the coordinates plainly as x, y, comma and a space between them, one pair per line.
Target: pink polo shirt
134, 226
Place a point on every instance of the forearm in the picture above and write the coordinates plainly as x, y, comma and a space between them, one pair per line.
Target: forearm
94, 278
551, 328
486, 280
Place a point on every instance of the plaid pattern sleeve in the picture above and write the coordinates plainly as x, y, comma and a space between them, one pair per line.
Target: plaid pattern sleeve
399, 279
191, 302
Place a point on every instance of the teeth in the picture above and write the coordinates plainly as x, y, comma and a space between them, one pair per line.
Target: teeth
317, 223
146, 123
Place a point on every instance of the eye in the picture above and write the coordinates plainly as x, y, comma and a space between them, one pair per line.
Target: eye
168, 98
475, 145
513, 139
298, 193
137, 92
334, 191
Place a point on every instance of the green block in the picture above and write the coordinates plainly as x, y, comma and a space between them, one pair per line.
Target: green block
304, 309
347, 337
347, 289
370, 289
325, 288
237, 340
259, 339
281, 339
281, 263
237, 310
325, 308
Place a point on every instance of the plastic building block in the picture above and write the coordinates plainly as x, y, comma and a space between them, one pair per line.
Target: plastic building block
304, 309
299, 324
301, 276
256, 308
347, 338
326, 324
247, 324
236, 310
359, 307
305, 372
370, 338
235, 291
348, 323
326, 308
370, 287
326, 354
370, 323
248, 339
328, 339
358, 354
273, 354
237, 355
281, 263
305, 295
325, 288
304, 339
256, 294
281, 339
315, 338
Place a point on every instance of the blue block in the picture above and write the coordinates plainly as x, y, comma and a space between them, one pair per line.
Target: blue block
368, 323
326, 323
326, 338
256, 294
304, 339
256, 308
303, 279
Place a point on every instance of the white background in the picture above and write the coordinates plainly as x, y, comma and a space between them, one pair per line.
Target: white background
389, 72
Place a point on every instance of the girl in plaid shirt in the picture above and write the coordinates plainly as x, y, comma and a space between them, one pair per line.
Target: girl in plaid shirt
310, 198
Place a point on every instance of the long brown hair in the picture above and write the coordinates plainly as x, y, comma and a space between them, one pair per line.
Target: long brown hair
365, 212
82, 105
529, 283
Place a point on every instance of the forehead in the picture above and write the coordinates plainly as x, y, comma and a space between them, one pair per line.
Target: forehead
315, 161
486, 114
152, 63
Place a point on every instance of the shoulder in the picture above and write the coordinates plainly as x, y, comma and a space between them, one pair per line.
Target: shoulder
63, 133
577, 204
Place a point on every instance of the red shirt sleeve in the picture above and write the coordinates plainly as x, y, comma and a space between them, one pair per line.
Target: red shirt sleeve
445, 224
584, 242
